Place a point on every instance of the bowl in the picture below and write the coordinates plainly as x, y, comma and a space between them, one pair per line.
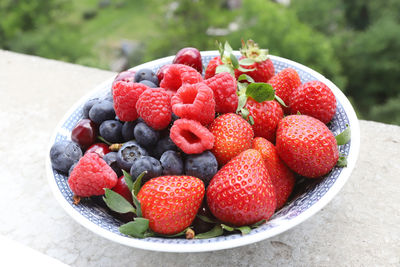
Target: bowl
310, 196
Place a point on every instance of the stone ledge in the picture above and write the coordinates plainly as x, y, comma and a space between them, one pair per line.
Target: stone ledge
360, 226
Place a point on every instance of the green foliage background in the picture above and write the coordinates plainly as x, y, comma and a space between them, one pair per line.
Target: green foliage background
355, 43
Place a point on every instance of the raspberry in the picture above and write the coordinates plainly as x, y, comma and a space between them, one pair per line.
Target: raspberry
191, 136
154, 107
224, 87
212, 65
178, 74
195, 102
91, 175
125, 95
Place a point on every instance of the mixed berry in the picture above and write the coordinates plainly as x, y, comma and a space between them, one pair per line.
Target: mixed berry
187, 155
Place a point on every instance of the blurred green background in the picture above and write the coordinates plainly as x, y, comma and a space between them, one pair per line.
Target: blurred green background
355, 43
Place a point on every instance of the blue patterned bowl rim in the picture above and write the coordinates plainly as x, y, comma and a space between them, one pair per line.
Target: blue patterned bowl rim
289, 216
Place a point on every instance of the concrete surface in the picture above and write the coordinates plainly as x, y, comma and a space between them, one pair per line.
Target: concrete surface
360, 227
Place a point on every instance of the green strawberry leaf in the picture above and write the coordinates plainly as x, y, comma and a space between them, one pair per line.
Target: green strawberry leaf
241, 103
137, 205
128, 180
116, 202
280, 101
245, 77
136, 228
227, 227
342, 161
344, 137
251, 120
245, 70
260, 92
138, 183
216, 231
234, 61
206, 219
175, 235
244, 229
247, 61
228, 48
104, 140
224, 68
220, 49
258, 224
245, 113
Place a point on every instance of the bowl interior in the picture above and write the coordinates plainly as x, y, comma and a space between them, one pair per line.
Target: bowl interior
308, 198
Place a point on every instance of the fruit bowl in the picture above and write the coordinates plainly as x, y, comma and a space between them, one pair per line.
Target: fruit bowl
309, 196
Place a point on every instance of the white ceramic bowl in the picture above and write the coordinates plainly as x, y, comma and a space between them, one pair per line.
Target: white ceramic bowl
309, 200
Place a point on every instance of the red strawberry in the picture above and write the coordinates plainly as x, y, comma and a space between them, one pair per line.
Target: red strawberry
284, 83
281, 176
91, 175
154, 107
241, 193
125, 95
232, 135
211, 67
263, 66
266, 116
315, 99
306, 145
224, 87
170, 203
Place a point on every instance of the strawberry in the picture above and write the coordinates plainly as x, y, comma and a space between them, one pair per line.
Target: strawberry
241, 193
266, 116
281, 176
284, 83
212, 66
170, 203
232, 135
306, 145
315, 99
262, 65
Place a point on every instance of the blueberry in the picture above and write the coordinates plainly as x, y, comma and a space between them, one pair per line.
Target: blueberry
148, 83
111, 131
111, 159
64, 154
102, 111
108, 97
174, 117
203, 166
127, 130
128, 153
71, 168
88, 105
163, 145
146, 74
145, 135
172, 163
146, 163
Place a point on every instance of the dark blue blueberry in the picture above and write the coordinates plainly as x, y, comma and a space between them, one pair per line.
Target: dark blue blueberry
145, 135
72, 168
174, 117
111, 159
148, 83
102, 111
146, 163
146, 74
203, 166
172, 163
127, 130
111, 131
108, 97
163, 145
64, 154
87, 106
128, 153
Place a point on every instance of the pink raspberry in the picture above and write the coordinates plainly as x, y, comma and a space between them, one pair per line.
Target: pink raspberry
125, 95
91, 175
224, 87
191, 136
195, 102
178, 74
154, 107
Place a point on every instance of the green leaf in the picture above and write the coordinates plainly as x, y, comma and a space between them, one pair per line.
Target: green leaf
227, 48
257, 224
137, 205
245, 113
251, 120
260, 92
244, 229
117, 203
104, 140
136, 228
241, 103
280, 101
137, 184
245, 77
216, 231
342, 161
227, 227
128, 180
175, 235
234, 61
220, 49
247, 61
224, 68
344, 137
245, 70
205, 219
